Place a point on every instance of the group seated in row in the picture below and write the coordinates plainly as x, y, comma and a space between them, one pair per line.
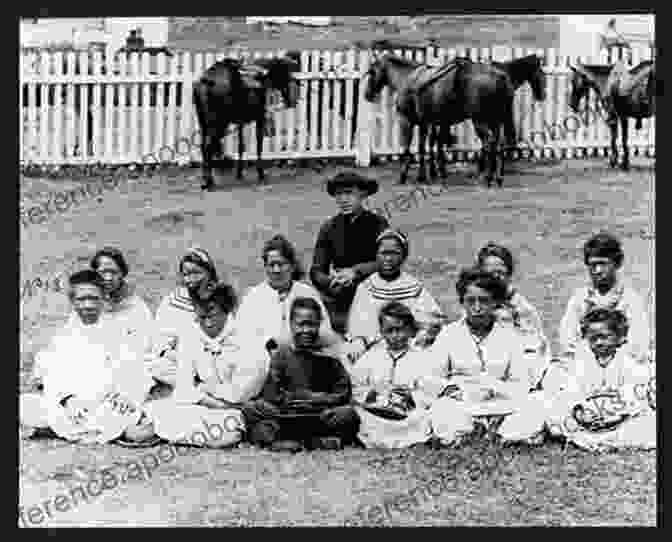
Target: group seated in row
272, 370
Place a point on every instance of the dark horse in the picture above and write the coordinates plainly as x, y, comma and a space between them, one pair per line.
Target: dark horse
450, 94
230, 93
624, 94
528, 69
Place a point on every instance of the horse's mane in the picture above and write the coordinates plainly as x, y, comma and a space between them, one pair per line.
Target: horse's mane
598, 69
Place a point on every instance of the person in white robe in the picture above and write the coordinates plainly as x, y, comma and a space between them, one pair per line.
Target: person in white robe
603, 256
264, 310
95, 382
483, 369
517, 311
218, 369
603, 398
176, 312
121, 304
391, 283
393, 375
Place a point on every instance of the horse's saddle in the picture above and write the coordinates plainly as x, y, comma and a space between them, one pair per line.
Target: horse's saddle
423, 76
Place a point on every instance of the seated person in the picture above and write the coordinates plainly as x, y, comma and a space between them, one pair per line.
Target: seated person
603, 256
264, 311
604, 398
306, 398
121, 303
388, 380
390, 283
176, 312
517, 310
345, 249
217, 370
483, 367
95, 384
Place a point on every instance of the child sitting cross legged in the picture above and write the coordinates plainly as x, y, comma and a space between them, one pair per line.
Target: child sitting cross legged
305, 401
606, 397
388, 380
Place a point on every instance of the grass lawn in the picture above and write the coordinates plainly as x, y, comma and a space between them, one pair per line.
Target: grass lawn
544, 213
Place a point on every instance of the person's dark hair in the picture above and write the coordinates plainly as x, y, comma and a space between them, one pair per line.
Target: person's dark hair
397, 310
400, 237
85, 276
487, 281
202, 258
286, 248
224, 296
305, 303
112, 253
616, 320
603, 245
499, 251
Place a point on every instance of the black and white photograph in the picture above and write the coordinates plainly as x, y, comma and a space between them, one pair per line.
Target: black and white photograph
357, 271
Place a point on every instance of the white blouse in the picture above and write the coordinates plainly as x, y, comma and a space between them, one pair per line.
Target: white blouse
264, 313
496, 360
228, 367
89, 360
375, 292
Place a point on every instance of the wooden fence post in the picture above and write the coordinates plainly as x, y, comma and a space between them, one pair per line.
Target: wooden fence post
364, 118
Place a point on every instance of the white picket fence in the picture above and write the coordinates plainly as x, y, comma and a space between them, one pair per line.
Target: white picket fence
141, 108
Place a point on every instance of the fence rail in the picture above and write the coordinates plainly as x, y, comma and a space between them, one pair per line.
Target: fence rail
139, 106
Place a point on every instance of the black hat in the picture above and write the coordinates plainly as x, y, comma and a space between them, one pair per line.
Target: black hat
349, 179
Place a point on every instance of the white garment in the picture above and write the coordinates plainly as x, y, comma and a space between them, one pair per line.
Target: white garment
375, 292
380, 370
621, 297
584, 377
90, 362
264, 313
174, 314
230, 367
497, 362
134, 318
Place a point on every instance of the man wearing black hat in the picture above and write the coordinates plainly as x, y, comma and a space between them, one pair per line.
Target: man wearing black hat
345, 250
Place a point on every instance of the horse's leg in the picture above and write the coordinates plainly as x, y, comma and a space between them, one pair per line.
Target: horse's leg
498, 154
613, 159
209, 146
444, 135
422, 137
241, 150
406, 133
89, 129
625, 165
434, 140
493, 156
260, 127
483, 134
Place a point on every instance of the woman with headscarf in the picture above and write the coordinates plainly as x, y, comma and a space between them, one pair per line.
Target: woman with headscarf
391, 283
176, 312
264, 310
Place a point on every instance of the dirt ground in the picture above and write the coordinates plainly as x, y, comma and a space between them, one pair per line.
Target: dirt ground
544, 213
